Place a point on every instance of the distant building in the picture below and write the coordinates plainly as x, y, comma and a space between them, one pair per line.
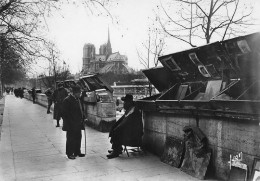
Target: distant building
105, 61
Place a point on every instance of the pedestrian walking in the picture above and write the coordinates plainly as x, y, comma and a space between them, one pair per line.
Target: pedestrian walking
33, 94
73, 123
58, 96
48, 94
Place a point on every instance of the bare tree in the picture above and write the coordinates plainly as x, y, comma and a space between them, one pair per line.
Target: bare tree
194, 20
53, 57
26, 25
23, 20
153, 48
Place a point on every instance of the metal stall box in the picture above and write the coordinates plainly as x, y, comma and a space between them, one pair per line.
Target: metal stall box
214, 88
99, 107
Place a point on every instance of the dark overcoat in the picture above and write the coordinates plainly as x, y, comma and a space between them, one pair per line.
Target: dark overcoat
72, 114
128, 130
58, 96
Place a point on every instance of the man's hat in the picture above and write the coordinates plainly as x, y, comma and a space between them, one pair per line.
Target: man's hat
75, 88
128, 97
60, 84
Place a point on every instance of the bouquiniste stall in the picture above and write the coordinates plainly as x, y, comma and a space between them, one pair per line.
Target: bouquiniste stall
99, 107
214, 88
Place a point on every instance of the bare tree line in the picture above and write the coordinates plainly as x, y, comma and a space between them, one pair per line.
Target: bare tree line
23, 28
189, 21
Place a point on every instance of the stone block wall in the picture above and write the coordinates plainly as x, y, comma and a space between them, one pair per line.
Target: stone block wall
225, 136
100, 115
40, 99
230, 136
154, 132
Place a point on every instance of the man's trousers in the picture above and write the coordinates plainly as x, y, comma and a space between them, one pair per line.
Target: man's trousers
73, 142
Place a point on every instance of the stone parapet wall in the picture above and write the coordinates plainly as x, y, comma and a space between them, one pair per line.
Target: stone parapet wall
40, 99
100, 115
225, 136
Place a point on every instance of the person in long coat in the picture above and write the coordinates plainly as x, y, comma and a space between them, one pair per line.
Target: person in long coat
33, 94
58, 96
49, 93
73, 123
128, 130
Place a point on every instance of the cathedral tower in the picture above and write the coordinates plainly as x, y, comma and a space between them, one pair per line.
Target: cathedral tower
89, 52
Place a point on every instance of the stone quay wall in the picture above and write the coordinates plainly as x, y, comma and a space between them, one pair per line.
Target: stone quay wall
40, 99
225, 136
100, 115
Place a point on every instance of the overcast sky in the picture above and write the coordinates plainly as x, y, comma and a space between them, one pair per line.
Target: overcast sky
74, 26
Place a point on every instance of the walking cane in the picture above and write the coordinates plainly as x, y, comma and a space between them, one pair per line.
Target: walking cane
85, 136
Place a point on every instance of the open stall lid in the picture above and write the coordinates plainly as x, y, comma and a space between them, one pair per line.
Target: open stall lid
237, 58
94, 82
160, 77
220, 64
244, 54
203, 63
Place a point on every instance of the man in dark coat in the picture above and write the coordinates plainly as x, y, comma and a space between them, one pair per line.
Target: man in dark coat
58, 96
128, 130
49, 93
33, 94
73, 123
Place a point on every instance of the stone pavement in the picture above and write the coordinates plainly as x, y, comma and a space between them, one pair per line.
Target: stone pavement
32, 148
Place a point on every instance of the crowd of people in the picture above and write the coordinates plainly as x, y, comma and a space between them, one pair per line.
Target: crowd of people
68, 106
19, 92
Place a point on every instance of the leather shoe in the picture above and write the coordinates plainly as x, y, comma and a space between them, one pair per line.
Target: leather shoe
71, 157
113, 155
58, 126
80, 155
110, 151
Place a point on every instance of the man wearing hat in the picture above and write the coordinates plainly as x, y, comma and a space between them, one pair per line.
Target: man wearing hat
73, 123
58, 96
128, 130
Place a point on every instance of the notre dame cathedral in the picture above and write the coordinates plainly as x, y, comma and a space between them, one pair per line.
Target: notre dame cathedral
105, 61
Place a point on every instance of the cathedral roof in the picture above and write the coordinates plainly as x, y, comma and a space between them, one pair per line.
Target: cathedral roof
111, 67
117, 57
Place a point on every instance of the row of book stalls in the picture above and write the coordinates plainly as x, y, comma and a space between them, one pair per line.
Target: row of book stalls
205, 120
203, 113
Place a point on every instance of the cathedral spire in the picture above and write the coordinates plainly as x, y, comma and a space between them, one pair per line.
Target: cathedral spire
109, 48
108, 41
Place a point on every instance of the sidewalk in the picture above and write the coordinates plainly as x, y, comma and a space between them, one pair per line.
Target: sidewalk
32, 148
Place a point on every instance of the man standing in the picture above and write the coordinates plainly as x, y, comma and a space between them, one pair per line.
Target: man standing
58, 96
33, 94
73, 123
49, 93
128, 130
